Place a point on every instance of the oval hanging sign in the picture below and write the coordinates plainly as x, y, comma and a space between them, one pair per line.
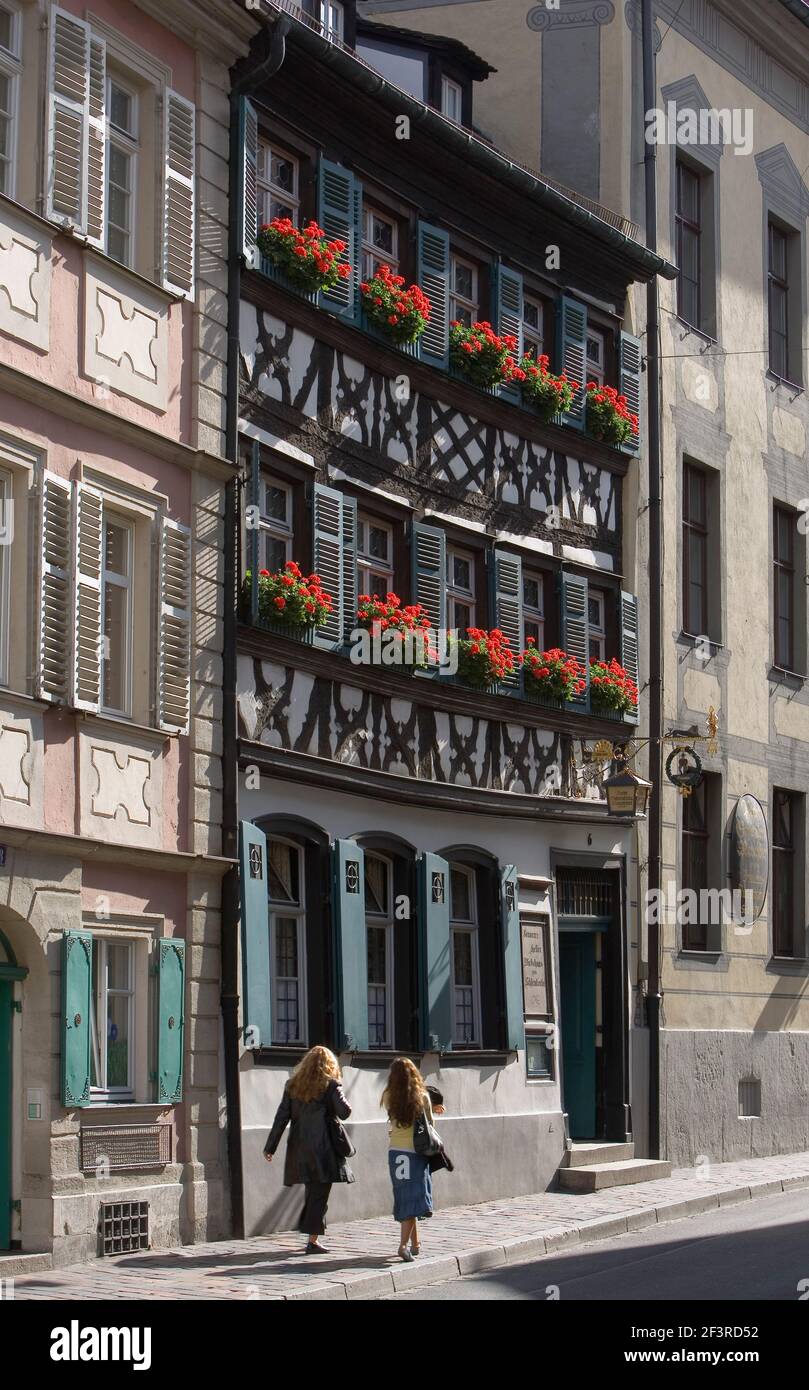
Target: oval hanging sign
749, 859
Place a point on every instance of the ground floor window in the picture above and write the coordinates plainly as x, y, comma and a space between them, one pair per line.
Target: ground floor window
286, 887
112, 1018
464, 962
379, 948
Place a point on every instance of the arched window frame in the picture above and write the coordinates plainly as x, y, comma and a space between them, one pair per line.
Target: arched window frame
296, 912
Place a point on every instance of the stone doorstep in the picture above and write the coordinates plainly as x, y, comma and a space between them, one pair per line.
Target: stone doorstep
15, 1263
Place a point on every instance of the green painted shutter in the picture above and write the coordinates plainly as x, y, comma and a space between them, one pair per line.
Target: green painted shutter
351, 951
430, 572
248, 201
254, 532
334, 526
256, 978
630, 360
630, 644
435, 944
572, 353
433, 273
350, 582
508, 298
575, 627
506, 571
339, 203
512, 956
6, 1003
77, 1001
170, 1018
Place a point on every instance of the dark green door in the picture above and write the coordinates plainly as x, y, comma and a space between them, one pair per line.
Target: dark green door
6, 997
577, 973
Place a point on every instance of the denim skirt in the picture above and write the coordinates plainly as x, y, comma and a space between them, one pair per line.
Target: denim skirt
412, 1184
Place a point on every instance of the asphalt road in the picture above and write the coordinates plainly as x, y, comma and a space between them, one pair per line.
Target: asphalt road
752, 1250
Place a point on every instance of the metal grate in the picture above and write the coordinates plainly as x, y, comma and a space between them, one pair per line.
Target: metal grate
585, 893
123, 1227
113, 1148
749, 1098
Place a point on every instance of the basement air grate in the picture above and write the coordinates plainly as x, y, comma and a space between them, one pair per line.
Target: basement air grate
749, 1098
123, 1227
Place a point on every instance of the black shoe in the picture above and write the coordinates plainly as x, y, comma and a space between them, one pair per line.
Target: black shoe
316, 1249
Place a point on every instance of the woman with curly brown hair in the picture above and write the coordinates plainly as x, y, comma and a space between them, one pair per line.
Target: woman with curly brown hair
405, 1099
313, 1098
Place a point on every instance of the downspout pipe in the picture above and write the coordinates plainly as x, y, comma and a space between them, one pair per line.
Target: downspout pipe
653, 996
247, 77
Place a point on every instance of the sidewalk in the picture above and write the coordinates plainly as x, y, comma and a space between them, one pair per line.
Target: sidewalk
459, 1240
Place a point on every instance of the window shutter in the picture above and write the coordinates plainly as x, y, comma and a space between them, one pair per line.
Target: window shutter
178, 196
351, 953
506, 570
256, 965
508, 287
53, 656
350, 581
433, 883
171, 1019
335, 555
433, 273
249, 189
97, 143
629, 369
174, 638
630, 645
512, 956
340, 215
575, 628
68, 118
254, 531
572, 354
77, 1001
430, 571
87, 638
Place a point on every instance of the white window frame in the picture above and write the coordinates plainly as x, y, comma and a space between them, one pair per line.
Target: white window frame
451, 94
267, 191
129, 144
297, 911
371, 255
535, 617
98, 1019
11, 67
6, 519
595, 369
332, 20
458, 301
467, 927
382, 922
597, 634
534, 334
456, 594
271, 527
365, 561
122, 581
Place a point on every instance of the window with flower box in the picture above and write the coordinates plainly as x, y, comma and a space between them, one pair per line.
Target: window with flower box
597, 623
380, 242
460, 589
374, 556
276, 529
533, 325
533, 607
595, 355
278, 183
464, 299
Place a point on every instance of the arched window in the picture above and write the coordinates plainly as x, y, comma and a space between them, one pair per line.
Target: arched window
465, 956
379, 948
391, 942
287, 893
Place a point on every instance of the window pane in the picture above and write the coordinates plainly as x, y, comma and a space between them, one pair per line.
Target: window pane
5, 92
463, 616
778, 253
462, 953
461, 572
275, 502
531, 593
121, 109
115, 614
376, 885
282, 872
6, 29
116, 539
275, 553
378, 542
287, 989
286, 952
117, 1040
460, 902
463, 279
282, 173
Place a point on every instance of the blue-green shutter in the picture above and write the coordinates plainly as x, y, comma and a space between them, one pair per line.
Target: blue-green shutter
256, 976
334, 526
433, 898
575, 627
506, 572
512, 956
433, 275
339, 203
171, 1019
430, 572
76, 1003
248, 192
572, 354
630, 361
253, 532
630, 645
508, 299
351, 951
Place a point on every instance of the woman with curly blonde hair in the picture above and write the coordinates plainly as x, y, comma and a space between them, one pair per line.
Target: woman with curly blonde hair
406, 1099
313, 1098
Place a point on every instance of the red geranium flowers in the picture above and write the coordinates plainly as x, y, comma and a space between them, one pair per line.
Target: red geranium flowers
402, 314
308, 259
486, 358
288, 597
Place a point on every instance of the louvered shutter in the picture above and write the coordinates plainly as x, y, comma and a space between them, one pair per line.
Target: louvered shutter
174, 638
572, 354
430, 572
254, 532
87, 644
630, 645
575, 627
170, 1019
335, 555
350, 582
436, 946
351, 954
178, 195
509, 291
55, 617
97, 143
68, 120
340, 216
512, 957
76, 1003
433, 273
249, 189
629, 370
506, 571
256, 980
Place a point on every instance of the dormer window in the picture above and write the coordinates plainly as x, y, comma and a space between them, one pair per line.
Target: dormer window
332, 19
451, 99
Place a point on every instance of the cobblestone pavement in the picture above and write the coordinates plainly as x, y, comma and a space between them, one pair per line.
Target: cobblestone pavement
459, 1240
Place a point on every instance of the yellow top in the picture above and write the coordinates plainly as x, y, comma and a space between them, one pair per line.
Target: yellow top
401, 1136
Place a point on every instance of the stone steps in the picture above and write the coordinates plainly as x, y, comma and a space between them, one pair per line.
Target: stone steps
584, 1154
595, 1177
14, 1262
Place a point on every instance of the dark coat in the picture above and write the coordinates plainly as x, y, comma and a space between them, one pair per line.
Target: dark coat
310, 1156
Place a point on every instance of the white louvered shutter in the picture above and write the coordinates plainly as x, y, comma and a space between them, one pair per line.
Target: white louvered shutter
178, 196
97, 142
53, 638
174, 639
89, 534
249, 208
68, 120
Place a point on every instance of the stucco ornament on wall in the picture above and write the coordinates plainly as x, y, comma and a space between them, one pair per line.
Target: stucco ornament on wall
25, 281
122, 786
126, 335
15, 764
